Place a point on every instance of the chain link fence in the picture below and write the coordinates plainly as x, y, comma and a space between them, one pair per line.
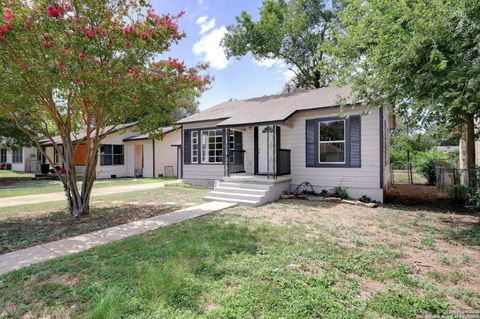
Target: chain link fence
449, 177
405, 173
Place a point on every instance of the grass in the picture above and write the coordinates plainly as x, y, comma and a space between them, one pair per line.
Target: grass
8, 172
28, 225
290, 259
27, 186
401, 176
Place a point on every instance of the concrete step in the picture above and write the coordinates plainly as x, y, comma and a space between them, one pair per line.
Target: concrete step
257, 186
216, 193
228, 200
241, 190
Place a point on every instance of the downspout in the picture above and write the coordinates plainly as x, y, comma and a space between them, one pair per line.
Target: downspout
153, 147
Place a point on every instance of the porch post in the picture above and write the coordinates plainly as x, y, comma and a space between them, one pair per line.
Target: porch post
227, 151
268, 150
274, 150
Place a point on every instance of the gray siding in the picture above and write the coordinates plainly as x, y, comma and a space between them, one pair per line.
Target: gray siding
365, 179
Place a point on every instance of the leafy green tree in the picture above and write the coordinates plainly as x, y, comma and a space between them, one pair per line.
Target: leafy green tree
88, 64
420, 56
11, 136
296, 32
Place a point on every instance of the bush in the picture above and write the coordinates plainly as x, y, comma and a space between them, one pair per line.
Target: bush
341, 192
426, 162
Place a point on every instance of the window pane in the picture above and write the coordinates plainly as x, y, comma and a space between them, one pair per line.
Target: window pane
106, 149
332, 152
212, 146
118, 160
106, 160
118, 149
332, 131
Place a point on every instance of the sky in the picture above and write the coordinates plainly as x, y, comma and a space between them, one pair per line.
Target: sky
205, 24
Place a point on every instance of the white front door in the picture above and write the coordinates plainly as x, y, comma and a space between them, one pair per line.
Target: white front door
265, 150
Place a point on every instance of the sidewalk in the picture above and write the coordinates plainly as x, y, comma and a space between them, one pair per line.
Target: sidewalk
25, 257
41, 198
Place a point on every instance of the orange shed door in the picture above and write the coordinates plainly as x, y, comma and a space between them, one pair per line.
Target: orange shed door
80, 157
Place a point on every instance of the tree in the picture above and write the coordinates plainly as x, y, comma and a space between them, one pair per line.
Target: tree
11, 136
89, 64
421, 57
296, 32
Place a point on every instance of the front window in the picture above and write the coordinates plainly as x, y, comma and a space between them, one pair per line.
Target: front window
212, 146
194, 147
331, 142
56, 157
17, 155
112, 155
3, 155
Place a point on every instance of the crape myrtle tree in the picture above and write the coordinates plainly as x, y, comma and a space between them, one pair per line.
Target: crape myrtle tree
89, 64
295, 32
420, 56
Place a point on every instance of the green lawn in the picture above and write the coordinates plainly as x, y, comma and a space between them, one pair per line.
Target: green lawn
401, 177
290, 259
27, 186
28, 225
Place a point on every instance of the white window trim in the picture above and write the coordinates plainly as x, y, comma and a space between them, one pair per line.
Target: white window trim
330, 142
194, 146
14, 159
206, 161
113, 154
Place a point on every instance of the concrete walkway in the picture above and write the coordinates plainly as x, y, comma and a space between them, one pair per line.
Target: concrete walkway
41, 198
64, 247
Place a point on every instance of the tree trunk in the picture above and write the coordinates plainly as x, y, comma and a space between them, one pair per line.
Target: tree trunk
471, 163
470, 127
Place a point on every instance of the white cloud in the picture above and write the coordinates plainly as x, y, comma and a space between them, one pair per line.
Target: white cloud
210, 47
288, 75
205, 24
266, 63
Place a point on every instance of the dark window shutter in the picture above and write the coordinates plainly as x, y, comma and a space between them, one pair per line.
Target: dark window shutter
187, 147
310, 132
355, 141
238, 140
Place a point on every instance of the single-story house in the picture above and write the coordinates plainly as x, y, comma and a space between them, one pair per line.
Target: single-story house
123, 153
253, 150
21, 159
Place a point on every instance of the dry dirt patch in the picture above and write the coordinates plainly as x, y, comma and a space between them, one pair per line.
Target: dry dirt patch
418, 236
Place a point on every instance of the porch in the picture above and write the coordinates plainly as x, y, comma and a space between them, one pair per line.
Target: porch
256, 151
256, 169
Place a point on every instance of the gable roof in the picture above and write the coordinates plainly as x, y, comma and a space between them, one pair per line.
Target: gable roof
274, 108
141, 137
83, 134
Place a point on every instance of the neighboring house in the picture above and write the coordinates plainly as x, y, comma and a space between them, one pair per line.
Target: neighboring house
275, 143
21, 159
124, 153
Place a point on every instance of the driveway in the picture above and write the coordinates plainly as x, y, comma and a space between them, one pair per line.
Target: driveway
41, 198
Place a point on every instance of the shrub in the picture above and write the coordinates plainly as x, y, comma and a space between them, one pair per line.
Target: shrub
366, 199
341, 192
426, 162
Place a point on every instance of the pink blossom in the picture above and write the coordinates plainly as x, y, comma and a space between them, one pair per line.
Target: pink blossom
82, 56
65, 51
2, 40
54, 10
128, 45
8, 14
78, 80
181, 13
132, 69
